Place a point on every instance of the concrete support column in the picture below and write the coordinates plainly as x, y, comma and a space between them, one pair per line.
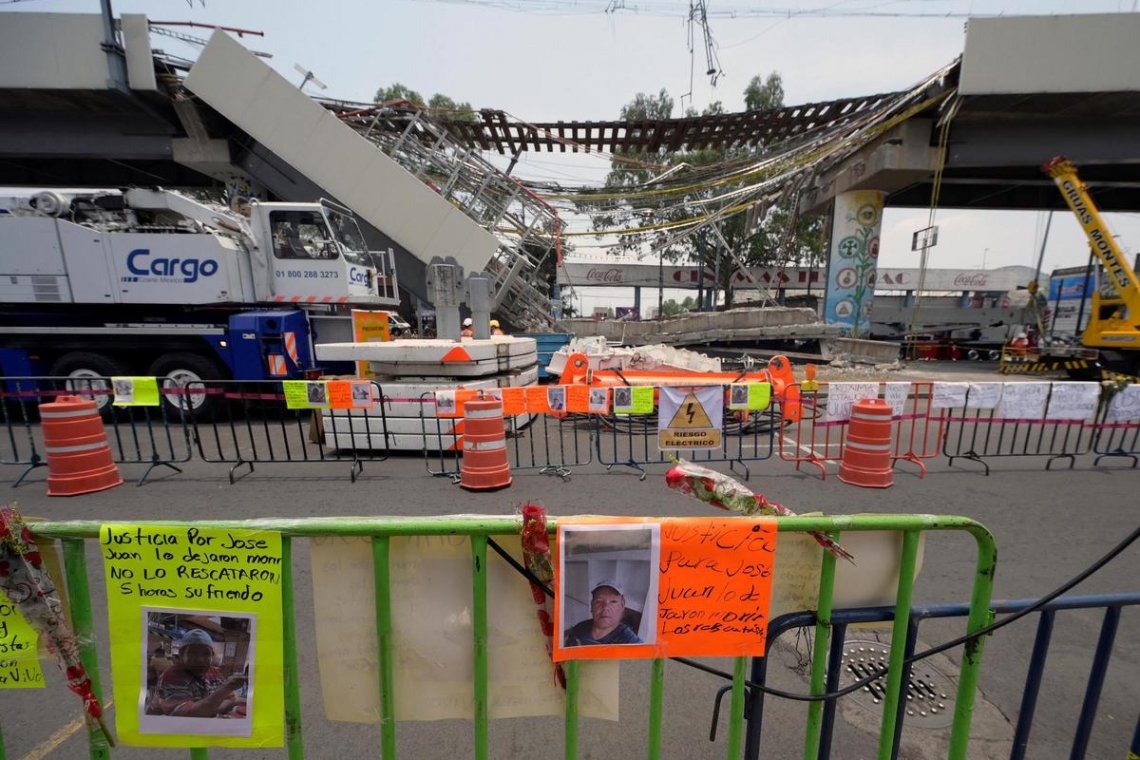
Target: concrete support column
853, 259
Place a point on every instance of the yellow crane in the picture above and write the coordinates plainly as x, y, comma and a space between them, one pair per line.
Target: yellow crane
1114, 321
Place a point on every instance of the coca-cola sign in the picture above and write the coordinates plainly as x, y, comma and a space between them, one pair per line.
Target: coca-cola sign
613, 275
970, 280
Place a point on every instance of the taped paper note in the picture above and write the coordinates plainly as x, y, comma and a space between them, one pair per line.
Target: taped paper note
1124, 405
645, 588
949, 395
896, 395
19, 650
984, 395
841, 397
135, 391
1073, 401
433, 657
1023, 401
196, 635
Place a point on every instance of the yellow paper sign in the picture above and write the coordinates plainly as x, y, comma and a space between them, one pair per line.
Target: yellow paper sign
195, 630
305, 394
19, 653
638, 400
749, 396
135, 391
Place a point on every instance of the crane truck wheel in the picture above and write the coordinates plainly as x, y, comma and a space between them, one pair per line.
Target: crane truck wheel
178, 370
87, 375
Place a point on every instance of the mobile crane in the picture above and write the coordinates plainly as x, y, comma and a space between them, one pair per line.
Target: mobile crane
99, 283
1114, 321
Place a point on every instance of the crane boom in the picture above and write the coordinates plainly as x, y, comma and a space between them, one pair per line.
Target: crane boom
1115, 322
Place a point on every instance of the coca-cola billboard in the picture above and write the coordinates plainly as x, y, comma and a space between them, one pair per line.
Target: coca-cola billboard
611, 276
970, 280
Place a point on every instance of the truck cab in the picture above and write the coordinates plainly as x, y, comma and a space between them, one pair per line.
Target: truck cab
316, 253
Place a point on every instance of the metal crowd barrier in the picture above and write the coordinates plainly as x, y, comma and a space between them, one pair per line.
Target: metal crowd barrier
979, 434
829, 663
548, 443
1115, 439
630, 440
480, 530
810, 437
156, 436
252, 425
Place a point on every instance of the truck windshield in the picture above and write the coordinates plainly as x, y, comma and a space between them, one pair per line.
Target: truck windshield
347, 233
301, 235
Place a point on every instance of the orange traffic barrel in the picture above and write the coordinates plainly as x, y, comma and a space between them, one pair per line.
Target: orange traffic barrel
867, 452
78, 455
485, 465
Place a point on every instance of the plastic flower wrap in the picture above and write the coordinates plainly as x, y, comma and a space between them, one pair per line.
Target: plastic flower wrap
536, 557
26, 583
726, 493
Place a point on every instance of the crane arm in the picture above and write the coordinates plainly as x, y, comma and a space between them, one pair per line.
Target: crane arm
1076, 194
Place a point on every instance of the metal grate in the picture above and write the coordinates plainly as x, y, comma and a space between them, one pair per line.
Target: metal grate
929, 692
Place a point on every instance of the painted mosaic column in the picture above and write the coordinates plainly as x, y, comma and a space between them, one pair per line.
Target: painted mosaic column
853, 260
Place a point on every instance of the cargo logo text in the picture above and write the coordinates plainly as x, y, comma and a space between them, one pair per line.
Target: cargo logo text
187, 271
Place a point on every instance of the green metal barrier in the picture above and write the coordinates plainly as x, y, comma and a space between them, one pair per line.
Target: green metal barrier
75, 534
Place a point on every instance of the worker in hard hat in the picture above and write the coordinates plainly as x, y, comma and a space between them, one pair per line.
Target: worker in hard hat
467, 332
1021, 341
495, 328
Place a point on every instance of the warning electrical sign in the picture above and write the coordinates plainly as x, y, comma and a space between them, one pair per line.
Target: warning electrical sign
690, 419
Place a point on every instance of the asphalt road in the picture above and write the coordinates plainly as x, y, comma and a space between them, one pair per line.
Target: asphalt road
1049, 525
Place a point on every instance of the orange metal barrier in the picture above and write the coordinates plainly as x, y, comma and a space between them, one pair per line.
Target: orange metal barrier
808, 435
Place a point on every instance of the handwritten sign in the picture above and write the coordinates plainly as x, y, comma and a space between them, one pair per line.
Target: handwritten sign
305, 394
1073, 401
514, 401
636, 400
948, 395
578, 398
1125, 405
1023, 401
351, 394
708, 592
984, 395
841, 397
19, 652
135, 391
202, 589
896, 394
433, 662
749, 396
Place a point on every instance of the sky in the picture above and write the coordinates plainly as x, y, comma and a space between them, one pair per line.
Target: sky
545, 60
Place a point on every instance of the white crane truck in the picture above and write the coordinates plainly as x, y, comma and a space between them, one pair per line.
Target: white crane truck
100, 283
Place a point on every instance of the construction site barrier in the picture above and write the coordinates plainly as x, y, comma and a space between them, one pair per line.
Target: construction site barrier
551, 444
980, 434
480, 531
829, 669
253, 425
631, 440
155, 436
1115, 439
808, 434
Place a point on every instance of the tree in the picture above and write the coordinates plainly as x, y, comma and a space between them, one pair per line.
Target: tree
445, 106
669, 187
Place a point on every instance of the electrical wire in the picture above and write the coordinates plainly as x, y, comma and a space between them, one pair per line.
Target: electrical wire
881, 671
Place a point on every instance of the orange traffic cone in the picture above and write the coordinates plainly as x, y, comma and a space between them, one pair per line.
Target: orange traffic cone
867, 452
78, 456
485, 465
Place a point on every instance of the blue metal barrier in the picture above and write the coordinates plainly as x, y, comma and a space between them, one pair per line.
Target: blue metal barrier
841, 619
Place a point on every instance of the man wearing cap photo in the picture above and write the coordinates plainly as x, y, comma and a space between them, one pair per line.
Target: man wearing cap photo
194, 687
607, 605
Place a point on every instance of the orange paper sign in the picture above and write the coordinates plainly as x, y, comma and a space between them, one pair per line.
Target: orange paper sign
514, 402
578, 398
536, 401
639, 588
